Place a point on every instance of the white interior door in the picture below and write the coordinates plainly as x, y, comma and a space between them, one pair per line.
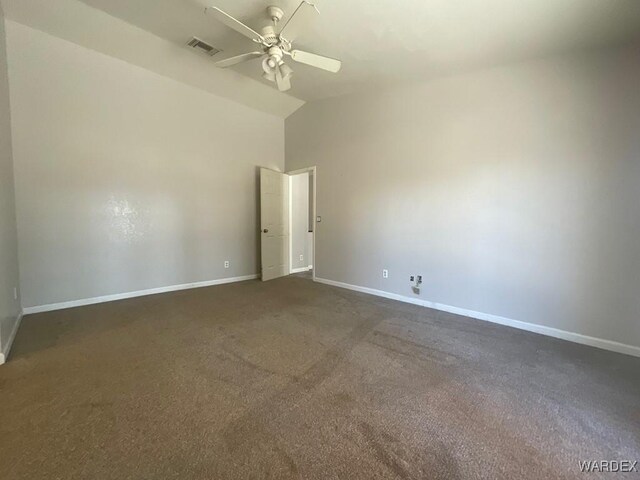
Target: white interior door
274, 219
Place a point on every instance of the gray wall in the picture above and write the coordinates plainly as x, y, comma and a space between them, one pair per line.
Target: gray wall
9, 307
514, 191
127, 180
300, 220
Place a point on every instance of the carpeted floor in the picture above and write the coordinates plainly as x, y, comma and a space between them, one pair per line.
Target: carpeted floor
292, 379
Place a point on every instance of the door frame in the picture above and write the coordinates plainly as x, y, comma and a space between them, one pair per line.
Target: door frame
314, 171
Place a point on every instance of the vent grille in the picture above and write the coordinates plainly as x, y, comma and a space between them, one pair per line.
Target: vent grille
202, 46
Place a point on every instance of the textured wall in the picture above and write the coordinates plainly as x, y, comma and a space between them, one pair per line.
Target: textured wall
513, 191
9, 307
126, 180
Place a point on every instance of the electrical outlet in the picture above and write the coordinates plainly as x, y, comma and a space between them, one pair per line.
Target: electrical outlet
385, 273
226, 264
416, 280
301, 258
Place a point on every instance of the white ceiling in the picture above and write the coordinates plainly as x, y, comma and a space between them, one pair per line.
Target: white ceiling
94, 29
386, 41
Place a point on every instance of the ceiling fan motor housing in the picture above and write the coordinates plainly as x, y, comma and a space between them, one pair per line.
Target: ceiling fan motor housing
270, 35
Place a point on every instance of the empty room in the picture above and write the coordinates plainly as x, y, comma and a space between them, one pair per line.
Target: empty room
319, 239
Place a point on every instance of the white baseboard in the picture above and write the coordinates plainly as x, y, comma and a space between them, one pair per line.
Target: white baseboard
531, 327
4, 354
140, 293
300, 270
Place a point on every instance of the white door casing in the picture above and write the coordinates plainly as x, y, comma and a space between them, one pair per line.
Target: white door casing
274, 221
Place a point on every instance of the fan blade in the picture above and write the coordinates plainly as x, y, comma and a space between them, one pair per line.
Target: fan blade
298, 20
317, 61
228, 62
237, 25
284, 84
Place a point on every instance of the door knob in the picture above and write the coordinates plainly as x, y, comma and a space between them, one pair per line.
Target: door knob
266, 230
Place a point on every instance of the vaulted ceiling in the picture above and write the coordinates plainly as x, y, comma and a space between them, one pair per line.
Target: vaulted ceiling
382, 41
379, 41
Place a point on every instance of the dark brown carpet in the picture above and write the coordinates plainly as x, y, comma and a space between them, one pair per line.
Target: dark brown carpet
291, 379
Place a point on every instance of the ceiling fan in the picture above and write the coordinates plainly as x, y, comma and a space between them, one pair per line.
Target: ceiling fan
274, 45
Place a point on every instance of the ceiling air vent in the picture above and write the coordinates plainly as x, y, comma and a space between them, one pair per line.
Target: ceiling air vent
201, 46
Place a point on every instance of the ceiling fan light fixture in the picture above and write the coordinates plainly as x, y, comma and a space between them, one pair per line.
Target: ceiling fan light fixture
267, 67
285, 70
276, 43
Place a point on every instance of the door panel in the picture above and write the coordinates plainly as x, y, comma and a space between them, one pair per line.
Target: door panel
274, 219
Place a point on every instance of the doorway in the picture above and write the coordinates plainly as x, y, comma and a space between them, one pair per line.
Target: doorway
302, 221
288, 223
